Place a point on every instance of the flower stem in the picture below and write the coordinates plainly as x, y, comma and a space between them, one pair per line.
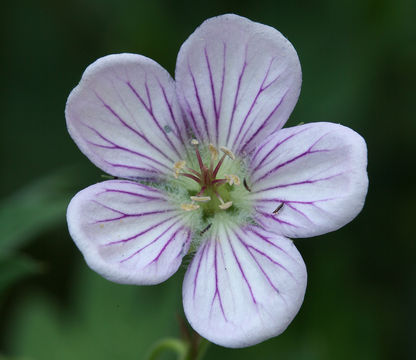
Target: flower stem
202, 348
180, 347
183, 349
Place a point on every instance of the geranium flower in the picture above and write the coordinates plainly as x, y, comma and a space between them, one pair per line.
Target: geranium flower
205, 168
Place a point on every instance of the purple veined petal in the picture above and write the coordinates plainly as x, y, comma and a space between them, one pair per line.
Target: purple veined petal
129, 233
244, 285
237, 81
309, 180
125, 117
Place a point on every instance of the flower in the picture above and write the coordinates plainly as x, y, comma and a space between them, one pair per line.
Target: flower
203, 167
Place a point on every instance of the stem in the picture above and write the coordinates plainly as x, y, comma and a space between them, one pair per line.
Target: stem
170, 344
183, 349
202, 348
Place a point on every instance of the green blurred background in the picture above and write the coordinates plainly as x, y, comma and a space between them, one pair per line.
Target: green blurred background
358, 59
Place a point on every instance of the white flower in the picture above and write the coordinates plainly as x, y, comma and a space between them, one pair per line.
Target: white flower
207, 169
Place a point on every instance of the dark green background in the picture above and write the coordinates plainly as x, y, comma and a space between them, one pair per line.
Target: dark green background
358, 59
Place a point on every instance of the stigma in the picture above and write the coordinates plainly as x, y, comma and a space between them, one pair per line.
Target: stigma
212, 190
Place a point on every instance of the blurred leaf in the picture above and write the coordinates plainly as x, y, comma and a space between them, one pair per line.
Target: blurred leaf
14, 358
104, 321
39, 205
13, 267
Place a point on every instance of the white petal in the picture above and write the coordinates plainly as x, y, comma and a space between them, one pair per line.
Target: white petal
237, 81
243, 286
308, 180
124, 115
128, 232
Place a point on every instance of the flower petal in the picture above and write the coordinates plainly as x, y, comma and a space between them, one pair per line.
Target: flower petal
128, 232
243, 286
237, 81
308, 180
124, 115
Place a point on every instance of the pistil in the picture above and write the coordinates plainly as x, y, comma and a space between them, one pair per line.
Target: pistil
207, 176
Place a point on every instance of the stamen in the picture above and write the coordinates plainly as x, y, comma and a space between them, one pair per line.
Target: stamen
201, 198
188, 176
214, 174
198, 155
189, 207
227, 152
223, 205
226, 205
177, 167
193, 171
213, 151
232, 179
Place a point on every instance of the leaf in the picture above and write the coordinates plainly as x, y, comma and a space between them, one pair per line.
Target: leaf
103, 321
34, 208
14, 267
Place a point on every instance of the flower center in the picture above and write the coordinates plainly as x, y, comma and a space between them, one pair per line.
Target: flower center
214, 190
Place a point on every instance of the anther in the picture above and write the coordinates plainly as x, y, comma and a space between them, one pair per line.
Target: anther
228, 152
201, 198
232, 179
194, 142
189, 207
226, 205
178, 166
213, 151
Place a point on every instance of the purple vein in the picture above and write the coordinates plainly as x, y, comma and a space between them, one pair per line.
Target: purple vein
222, 89
191, 114
149, 110
287, 162
217, 292
278, 200
230, 124
294, 208
276, 219
263, 125
201, 109
149, 244
214, 100
131, 167
147, 197
172, 115
257, 262
241, 268
270, 259
202, 252
259, 92
268, 241
169, 241
304, 182
141, 233
274, 148
140, 135
116, 146
133, 215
